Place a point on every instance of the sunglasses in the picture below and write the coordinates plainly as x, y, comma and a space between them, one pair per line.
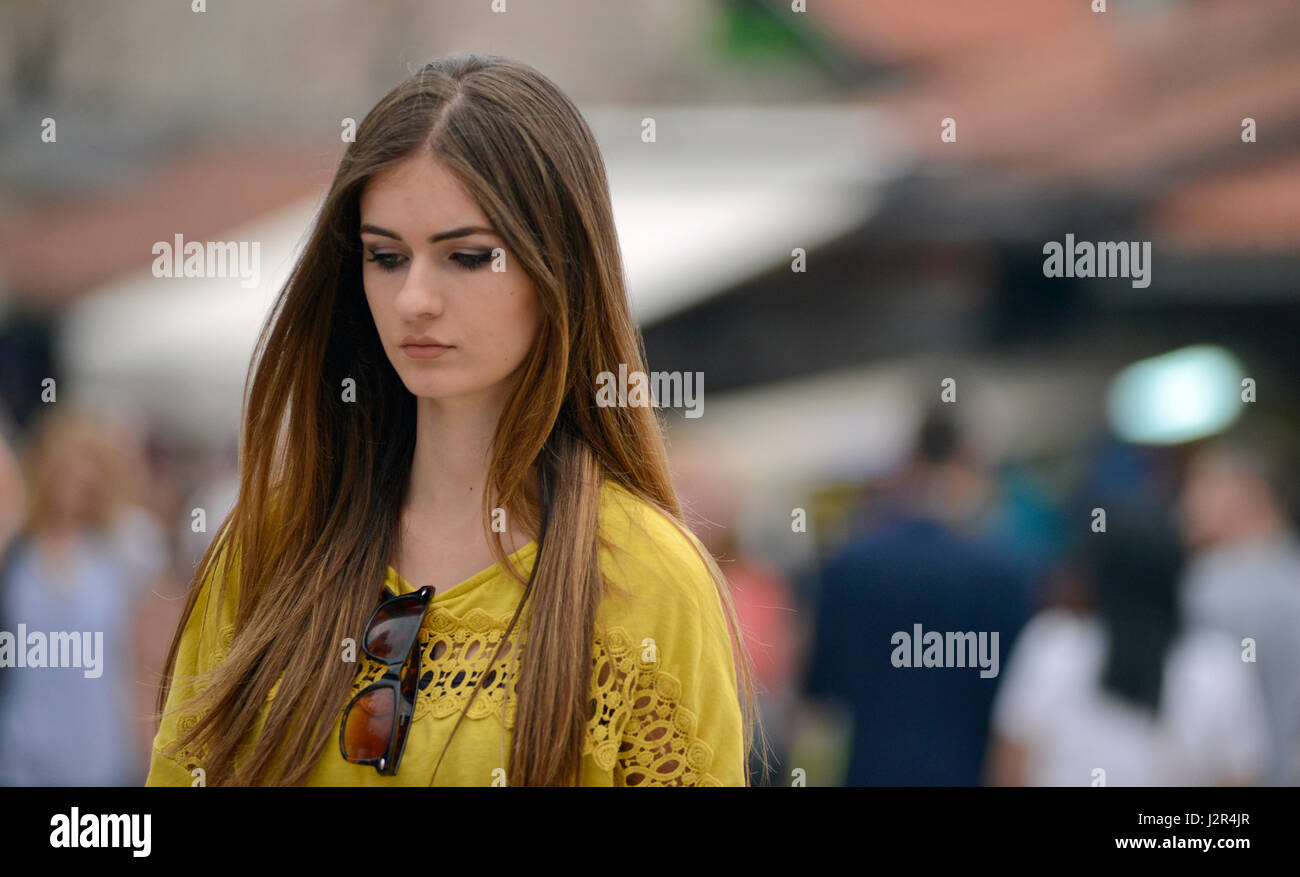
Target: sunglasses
377, 718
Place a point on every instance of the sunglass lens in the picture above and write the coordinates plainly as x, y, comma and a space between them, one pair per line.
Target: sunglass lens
368, 726
393, 631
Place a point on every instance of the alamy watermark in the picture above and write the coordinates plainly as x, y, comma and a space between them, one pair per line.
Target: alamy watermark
637, 389
933, 648
1103, 259
242, 259
75, 830
37, 650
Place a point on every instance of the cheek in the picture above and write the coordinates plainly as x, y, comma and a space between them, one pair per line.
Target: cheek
380, 312
518, 319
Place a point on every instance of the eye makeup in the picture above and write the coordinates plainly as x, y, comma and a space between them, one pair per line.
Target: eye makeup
467, 261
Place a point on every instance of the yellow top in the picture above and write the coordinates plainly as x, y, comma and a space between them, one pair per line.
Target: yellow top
663, 684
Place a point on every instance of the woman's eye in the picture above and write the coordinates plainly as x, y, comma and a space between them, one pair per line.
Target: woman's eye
386, 261
471, 261
467, 261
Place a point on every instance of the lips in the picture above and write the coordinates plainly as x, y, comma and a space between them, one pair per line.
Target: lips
422, 341
423, 348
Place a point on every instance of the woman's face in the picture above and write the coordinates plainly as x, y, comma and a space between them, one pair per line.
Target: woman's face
1218, 501
423, 290
77, 485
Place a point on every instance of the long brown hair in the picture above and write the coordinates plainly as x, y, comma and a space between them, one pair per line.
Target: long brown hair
322, 481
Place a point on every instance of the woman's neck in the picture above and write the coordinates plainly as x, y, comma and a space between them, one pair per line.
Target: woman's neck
453, 444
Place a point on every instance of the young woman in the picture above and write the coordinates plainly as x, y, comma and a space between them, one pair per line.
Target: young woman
424, 396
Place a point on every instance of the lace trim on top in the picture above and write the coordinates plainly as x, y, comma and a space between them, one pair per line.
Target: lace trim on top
637, 727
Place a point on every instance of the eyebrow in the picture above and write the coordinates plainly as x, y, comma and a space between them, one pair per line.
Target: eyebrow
461, 232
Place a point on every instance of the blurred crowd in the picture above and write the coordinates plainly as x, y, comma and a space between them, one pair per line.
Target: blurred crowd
1145, 615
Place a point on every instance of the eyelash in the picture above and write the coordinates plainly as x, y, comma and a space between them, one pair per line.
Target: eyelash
467, 261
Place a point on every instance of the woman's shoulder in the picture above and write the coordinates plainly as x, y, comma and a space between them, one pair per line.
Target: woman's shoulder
637, 527
624, 513
650, 557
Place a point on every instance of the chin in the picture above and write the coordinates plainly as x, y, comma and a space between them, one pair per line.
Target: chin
431, 389
423, 387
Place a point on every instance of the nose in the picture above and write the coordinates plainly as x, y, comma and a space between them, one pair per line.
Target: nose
420, 295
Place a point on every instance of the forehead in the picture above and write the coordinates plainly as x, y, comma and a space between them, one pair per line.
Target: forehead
419, 189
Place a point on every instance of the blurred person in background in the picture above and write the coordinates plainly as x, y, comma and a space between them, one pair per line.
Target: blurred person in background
12, 505
1122, 694
81, 563
1244, 576
919, 564
12, 502
1023, 517
214, 488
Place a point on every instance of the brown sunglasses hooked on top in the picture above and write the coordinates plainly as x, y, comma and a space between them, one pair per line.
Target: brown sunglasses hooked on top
375, 721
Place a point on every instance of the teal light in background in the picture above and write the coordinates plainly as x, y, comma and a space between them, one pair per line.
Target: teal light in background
1176, 397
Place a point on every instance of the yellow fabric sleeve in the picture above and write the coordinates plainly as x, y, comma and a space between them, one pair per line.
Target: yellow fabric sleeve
207, 636
683, 723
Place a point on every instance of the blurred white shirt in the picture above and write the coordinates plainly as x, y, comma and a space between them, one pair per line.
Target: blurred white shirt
1211, 727
1252, 589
